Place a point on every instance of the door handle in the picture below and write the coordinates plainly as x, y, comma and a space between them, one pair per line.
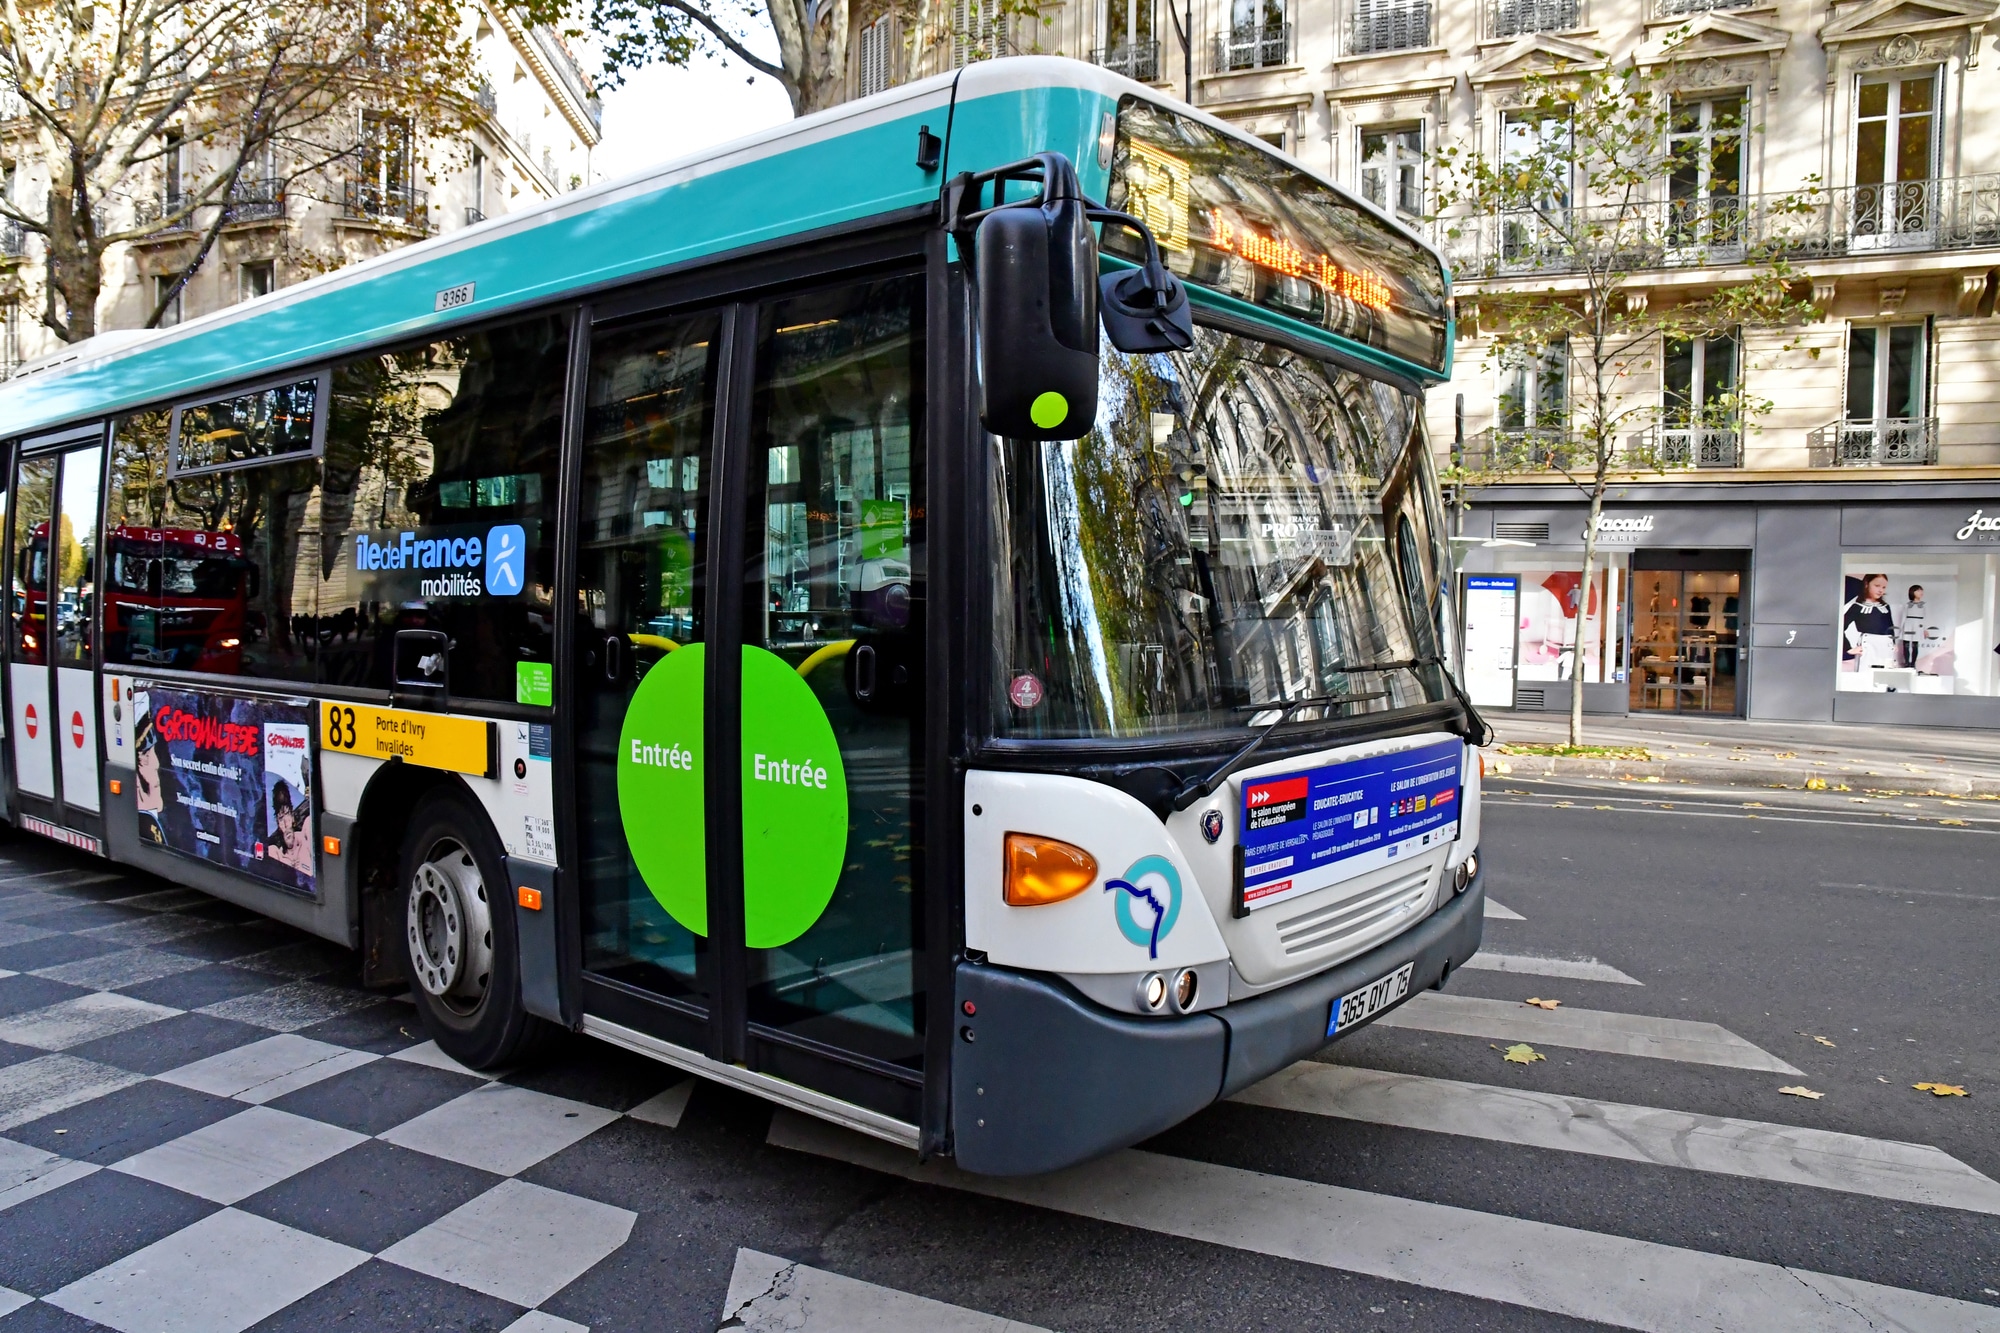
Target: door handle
864, 673
614, 657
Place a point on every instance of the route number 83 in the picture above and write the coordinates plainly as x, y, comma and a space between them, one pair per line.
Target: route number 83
340, 733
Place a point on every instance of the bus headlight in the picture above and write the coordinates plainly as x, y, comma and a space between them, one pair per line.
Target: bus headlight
1187, 986
1044, 870
1153, 991
1461, 878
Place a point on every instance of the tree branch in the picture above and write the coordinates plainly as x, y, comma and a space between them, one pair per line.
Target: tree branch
721, 34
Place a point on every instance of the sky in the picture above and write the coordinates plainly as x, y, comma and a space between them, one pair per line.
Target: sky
663, 113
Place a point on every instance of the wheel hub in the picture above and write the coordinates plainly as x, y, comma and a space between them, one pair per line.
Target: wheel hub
450, 925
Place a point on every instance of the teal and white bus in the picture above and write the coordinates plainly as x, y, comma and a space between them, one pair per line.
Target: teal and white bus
936, 615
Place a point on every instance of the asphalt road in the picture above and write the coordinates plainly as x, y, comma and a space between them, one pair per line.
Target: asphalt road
1706, 948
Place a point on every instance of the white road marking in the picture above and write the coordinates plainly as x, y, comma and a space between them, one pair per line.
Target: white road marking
1584, 1030
1570, 969
1614, 1280
51, 1083
26, 1172
772, 1295
1495, 912
500, 1128
1882, 1168
665, 1108
266, 1070
233, 1159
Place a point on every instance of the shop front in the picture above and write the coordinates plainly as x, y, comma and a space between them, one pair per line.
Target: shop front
1805, 602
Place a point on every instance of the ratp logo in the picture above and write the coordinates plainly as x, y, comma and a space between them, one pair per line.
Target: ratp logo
506, 559
1148, 902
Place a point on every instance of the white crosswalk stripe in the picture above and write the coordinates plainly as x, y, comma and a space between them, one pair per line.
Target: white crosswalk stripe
1495, 912
1584, 1030
1908, 1172
1563, 1270
1569, 969
772, 1295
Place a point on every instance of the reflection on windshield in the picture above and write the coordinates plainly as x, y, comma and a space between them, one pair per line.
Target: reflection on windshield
1245, 526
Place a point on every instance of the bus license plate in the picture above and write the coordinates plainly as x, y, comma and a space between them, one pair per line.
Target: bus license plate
1370, 1000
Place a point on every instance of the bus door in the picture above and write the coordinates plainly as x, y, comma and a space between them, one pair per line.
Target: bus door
52, 614
765, 909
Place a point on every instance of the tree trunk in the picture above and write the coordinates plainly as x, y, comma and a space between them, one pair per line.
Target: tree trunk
1576, 671
75, 272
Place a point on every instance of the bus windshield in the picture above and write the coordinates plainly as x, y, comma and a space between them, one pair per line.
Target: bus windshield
1245, 527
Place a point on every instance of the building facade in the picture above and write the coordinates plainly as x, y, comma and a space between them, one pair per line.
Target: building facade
1836, 557
532, 139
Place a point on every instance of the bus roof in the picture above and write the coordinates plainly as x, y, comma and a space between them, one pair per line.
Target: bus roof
850, 162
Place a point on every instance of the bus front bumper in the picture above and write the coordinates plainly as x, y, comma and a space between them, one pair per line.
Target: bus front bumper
1042, 1078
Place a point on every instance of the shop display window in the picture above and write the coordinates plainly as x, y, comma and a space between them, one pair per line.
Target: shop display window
1919, 624
1551, 597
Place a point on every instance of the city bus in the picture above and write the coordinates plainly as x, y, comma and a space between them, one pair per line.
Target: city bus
937, 615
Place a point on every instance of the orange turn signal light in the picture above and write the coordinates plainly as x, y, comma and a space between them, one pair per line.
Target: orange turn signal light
117, 787
1043, 870
528, 898
330, 845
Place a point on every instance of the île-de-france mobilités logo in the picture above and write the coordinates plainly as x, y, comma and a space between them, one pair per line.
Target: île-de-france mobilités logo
1147, 902
506, 559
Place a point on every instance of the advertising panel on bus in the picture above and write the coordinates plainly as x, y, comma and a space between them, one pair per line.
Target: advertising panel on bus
228, 779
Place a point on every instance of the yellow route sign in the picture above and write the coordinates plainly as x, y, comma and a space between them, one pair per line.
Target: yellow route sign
429, 740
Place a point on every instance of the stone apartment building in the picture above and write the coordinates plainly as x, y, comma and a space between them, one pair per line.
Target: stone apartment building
533, 140
1837, 557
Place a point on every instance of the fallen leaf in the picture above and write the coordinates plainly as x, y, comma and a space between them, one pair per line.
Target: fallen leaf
1815, 784
1880, 1079
1543, 1004
1522, 1054
1956, 823
1821, 1040
1753, 805
1802, 1092
1940, 1089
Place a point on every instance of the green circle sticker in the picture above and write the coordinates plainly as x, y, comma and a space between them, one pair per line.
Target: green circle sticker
660, 798
794, 796
1048, 410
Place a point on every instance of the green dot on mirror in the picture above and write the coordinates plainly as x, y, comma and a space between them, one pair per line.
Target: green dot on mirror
1048, 410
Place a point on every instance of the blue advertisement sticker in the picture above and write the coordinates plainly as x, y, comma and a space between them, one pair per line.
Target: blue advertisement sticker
1303, 831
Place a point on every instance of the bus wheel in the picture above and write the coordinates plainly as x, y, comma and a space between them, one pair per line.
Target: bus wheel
458, 937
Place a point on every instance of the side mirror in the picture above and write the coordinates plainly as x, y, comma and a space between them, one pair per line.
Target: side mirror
1037, 275
1145, 308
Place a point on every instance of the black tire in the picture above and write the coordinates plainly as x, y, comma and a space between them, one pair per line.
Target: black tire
466, 981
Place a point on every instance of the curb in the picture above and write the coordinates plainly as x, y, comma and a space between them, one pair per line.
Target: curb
1748, 772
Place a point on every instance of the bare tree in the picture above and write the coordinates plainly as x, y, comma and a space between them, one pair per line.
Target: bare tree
152, 116
1557, 240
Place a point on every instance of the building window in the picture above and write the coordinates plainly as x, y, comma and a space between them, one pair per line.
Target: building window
1258, 36
162, 285
1698, 401
1130, 46
1518, 18
1895, 152
979, 31
1392, 169
878, 55
1388, 25
255, 279
1539, 140
1888, 393
384, 186
1705, 188
1534, 390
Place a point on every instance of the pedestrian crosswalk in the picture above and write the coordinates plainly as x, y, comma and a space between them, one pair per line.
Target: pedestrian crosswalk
1246, 1185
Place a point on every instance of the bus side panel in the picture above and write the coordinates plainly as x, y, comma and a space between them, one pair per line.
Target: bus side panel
34, 769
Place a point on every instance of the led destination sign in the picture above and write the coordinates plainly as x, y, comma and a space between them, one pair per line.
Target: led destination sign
1239, 220
1303, 831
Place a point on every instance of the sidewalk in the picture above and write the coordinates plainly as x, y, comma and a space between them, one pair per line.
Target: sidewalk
1843, 756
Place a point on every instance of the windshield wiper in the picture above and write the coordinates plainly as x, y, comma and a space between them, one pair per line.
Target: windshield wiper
1201, 785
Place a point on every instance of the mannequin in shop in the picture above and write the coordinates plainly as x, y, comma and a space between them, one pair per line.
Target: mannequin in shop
1868, 627
1911, 624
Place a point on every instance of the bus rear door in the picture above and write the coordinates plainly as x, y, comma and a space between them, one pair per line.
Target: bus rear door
52, 612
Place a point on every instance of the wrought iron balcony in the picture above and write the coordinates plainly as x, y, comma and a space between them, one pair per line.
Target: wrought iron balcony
257, 201
1518, 18
1668, 9
1248, 47
13, 239
153, 211
1671, 446
1502, 452
1135, 60
1375, 26
474, 216
1883, 442
397, 205
1955, 213
485, 98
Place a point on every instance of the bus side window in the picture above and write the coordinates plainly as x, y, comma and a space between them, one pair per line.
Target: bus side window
439, 510
178, 595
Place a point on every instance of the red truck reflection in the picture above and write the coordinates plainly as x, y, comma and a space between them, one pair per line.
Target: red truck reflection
178, 598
